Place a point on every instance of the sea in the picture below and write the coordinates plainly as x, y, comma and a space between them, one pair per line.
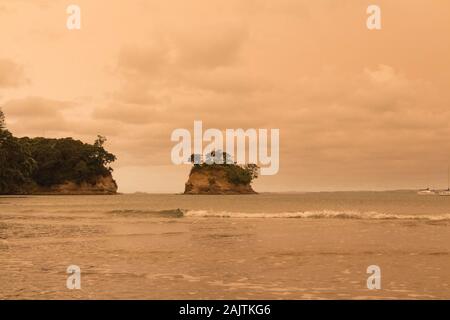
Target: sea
322, 245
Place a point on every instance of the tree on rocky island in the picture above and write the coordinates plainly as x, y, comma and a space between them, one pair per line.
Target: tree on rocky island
218, 160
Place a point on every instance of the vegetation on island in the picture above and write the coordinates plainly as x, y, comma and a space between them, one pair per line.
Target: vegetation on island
30, 163
236, 174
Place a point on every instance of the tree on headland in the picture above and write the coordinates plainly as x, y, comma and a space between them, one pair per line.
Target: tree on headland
26, 163
101, 156
66, 159
16, 163
2, 120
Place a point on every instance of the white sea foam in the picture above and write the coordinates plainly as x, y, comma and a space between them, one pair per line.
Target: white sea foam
325, 214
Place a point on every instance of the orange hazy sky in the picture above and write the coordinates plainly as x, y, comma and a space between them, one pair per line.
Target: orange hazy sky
357, 109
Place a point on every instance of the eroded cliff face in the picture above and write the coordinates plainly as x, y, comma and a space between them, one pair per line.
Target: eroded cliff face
214, 182
101, 185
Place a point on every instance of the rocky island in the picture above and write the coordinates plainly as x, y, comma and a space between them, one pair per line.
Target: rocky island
218, 179
54, 166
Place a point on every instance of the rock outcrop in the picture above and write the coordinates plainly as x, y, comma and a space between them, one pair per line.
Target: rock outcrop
204, 180
101, 185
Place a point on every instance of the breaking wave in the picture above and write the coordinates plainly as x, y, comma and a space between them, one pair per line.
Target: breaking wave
175, 213
325, 214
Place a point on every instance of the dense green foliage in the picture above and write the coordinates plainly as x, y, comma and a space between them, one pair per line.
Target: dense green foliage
27, 162
236, 174
16, 165
241, 174
60, 160
2, 121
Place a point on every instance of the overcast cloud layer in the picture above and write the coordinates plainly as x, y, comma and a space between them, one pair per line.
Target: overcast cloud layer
356, 109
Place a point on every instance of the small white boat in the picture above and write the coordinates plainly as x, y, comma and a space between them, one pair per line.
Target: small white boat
445, 192
426, 192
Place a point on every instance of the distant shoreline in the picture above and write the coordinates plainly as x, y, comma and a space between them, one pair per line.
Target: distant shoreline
183, 194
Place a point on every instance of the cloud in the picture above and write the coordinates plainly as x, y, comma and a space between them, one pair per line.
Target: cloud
334, 116
211, 47
11, 74
127, 113
34, 107
143, 61
207, 60
35, 115
354, 107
